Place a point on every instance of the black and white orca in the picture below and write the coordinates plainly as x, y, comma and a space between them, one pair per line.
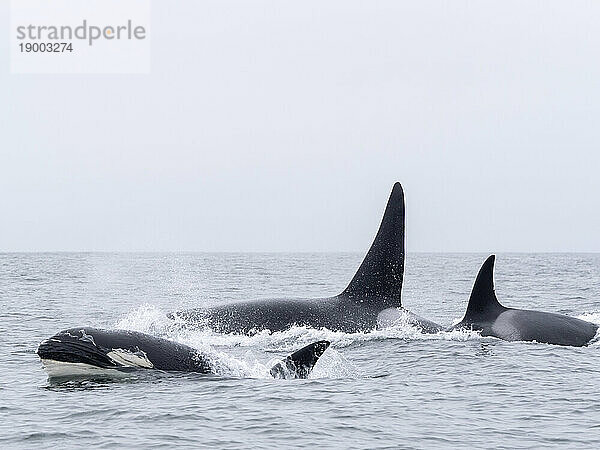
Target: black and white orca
95, 352
486, 314
373, 297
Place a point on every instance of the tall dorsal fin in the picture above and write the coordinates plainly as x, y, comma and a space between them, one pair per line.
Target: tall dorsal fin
483, 303
381, 272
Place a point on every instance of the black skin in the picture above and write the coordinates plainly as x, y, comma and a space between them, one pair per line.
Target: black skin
92, 346
334, 313
487, 315
376, 286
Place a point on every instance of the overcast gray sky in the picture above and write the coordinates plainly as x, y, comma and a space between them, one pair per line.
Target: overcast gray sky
281, 126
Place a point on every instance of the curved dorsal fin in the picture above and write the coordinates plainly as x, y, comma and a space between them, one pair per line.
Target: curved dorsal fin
300, 363
483, 302
381, 272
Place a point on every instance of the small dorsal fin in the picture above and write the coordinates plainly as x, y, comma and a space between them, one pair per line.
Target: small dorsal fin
300, 363
483, 303
381, 272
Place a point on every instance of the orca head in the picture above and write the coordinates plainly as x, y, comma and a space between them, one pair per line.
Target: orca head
75, 346
87, 351
300, 363
380, 275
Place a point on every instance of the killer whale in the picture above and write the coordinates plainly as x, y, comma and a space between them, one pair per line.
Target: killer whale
486, 314
91, 351
373, 297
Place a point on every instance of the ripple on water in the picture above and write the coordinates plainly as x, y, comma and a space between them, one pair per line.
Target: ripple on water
383, 388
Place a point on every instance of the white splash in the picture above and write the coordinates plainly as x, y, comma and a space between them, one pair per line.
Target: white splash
593, 317
150, 319
227, 365
146, 319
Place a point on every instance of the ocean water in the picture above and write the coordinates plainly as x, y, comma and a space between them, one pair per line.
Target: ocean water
394, 388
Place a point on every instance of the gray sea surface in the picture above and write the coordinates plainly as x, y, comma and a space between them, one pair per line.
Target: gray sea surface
394, 388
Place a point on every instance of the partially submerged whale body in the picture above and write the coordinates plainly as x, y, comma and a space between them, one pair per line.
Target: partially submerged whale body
486, 314
92, 352
372, 298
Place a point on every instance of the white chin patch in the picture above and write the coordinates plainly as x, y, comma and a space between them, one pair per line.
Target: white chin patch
125, 358
60, 369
